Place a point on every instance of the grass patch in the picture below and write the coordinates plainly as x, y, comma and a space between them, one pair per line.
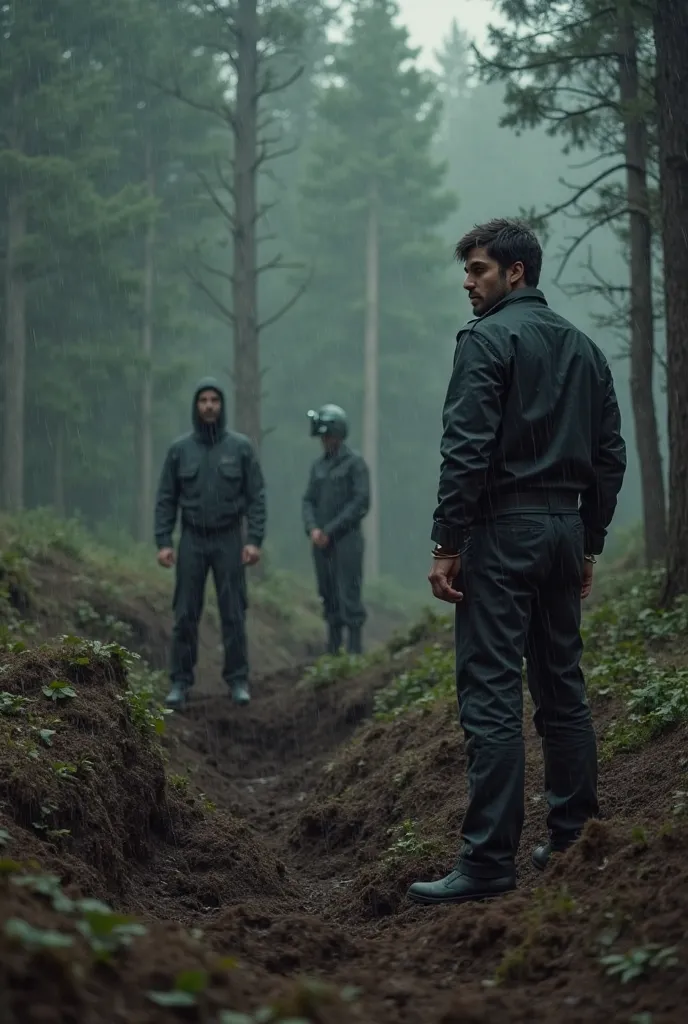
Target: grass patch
548, 906
426, 627
125, 569
408, 844
430, 679
330, 668
624, 639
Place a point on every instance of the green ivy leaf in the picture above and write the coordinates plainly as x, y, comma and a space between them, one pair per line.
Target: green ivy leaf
173, 998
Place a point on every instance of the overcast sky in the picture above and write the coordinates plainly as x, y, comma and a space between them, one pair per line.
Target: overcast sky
428, 21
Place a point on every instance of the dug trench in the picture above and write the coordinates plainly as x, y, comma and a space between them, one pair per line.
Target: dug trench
252, 866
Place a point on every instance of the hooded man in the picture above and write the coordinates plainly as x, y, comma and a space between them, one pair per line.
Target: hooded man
213, 477
335, 503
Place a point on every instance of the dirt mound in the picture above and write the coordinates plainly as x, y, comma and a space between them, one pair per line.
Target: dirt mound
83, 790
56, 578
76, 769
610, 913
205, 861
386, 810
326, 813
388, 802
63, 959
284, 943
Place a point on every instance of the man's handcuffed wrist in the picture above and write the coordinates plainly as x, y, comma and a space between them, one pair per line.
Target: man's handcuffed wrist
440, 552
447, 537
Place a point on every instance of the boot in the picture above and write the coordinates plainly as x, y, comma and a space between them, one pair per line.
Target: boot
458, 888
177, 697
240, 694
334, 639
542, 854
355, 640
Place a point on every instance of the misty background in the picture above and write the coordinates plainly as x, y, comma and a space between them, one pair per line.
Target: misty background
117, 202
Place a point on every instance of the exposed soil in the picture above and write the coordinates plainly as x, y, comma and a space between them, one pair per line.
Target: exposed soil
68, 596
321, 819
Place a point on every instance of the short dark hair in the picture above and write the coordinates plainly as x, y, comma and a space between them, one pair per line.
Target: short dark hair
507, 241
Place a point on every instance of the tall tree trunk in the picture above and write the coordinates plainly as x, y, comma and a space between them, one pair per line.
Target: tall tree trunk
15, 356
671, 43
145, 439
370, 385
59, 470
641, 312
247, 376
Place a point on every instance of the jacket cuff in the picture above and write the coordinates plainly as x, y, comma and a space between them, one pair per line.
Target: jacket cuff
447, 537
255, 540
593, 542
163, 542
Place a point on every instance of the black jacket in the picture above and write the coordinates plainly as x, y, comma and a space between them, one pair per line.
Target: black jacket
213, 477
530, 407
338, 494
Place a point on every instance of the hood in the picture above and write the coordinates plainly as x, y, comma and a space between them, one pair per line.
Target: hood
200, 428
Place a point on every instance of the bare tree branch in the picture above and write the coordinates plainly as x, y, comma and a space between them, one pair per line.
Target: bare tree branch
548, 62
263, 209
586, 234
226, 275
266, 155
277, 263
289, 304
559, 115
266, 88
227, 185
594, 160
581, 191
226, 312
224, 210
222, 111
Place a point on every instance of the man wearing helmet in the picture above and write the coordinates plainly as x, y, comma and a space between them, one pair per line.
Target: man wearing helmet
335, 503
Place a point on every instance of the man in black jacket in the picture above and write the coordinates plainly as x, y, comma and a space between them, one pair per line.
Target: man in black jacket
213, 477
532, 464
336, 501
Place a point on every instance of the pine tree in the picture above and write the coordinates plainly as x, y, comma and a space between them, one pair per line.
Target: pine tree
671, 41
379, 306
54, 99
454, 82
168, 150
584, 70
251, 40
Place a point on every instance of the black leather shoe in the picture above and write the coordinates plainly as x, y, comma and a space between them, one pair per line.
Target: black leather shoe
177, 697
543, 853
458, 888
240, 694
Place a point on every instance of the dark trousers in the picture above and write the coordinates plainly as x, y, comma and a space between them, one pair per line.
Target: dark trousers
198, 554
522, 577
339, 575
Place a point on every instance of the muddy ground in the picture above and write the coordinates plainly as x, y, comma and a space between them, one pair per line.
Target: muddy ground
272, 844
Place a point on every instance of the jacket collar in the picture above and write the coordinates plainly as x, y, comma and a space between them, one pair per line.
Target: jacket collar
520, 295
